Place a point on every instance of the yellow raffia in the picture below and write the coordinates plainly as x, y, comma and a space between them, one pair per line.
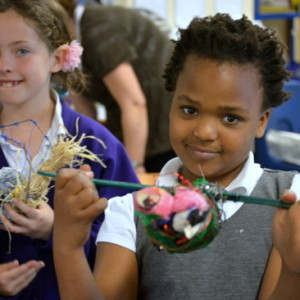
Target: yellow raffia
67, 152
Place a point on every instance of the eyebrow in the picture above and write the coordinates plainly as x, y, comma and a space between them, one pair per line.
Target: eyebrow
235, 109
188, 99
224, 107
20, 42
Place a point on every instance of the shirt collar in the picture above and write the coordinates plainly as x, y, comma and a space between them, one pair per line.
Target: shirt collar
57, 126
247, 179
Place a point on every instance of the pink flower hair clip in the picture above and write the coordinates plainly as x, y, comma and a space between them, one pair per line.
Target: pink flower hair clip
72, 58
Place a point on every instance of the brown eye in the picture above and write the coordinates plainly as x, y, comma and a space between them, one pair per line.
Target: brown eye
188, 110
232, 119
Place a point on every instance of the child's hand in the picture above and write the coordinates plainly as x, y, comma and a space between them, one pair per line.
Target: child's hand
286, 232
76, 205
35, 222
15, 277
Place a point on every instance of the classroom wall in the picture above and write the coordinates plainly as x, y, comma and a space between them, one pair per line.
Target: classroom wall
180, 12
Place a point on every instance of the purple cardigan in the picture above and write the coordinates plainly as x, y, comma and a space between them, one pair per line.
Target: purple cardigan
23, 248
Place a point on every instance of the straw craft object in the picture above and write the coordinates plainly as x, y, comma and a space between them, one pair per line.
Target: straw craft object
67, 152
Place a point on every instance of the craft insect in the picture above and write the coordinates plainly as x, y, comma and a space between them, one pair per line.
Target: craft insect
179, 220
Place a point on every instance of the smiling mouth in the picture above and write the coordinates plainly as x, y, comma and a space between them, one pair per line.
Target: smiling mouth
203, 154
9, 84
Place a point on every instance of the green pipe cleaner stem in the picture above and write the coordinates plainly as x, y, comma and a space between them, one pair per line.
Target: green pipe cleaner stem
226, 195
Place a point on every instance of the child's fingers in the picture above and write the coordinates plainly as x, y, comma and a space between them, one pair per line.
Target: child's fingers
8, 266
87, 170
63, 177
74, 199
75, 184
86, 197
6, 224
22, 275
2, 221
96, 208
15, 221
14, 277
35, 264
22, 206
25, 269
16, 216
286, 237
288, 196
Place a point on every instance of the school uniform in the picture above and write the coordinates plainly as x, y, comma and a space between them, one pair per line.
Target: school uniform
118, 167
233, 264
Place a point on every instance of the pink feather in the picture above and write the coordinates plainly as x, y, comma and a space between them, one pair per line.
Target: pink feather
154, 200
186, 198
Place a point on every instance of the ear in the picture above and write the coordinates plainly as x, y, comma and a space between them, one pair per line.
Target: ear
59, 57
263, 122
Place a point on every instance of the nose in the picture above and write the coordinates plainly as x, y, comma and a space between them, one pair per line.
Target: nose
5, 63
206, 128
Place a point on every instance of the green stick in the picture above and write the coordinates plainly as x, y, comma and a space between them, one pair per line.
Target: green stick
254, 200
107, 183
226, 195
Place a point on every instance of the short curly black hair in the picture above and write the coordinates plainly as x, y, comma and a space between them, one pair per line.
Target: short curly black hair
223, 39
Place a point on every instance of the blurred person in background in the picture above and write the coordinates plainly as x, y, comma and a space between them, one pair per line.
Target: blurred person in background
124, 57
